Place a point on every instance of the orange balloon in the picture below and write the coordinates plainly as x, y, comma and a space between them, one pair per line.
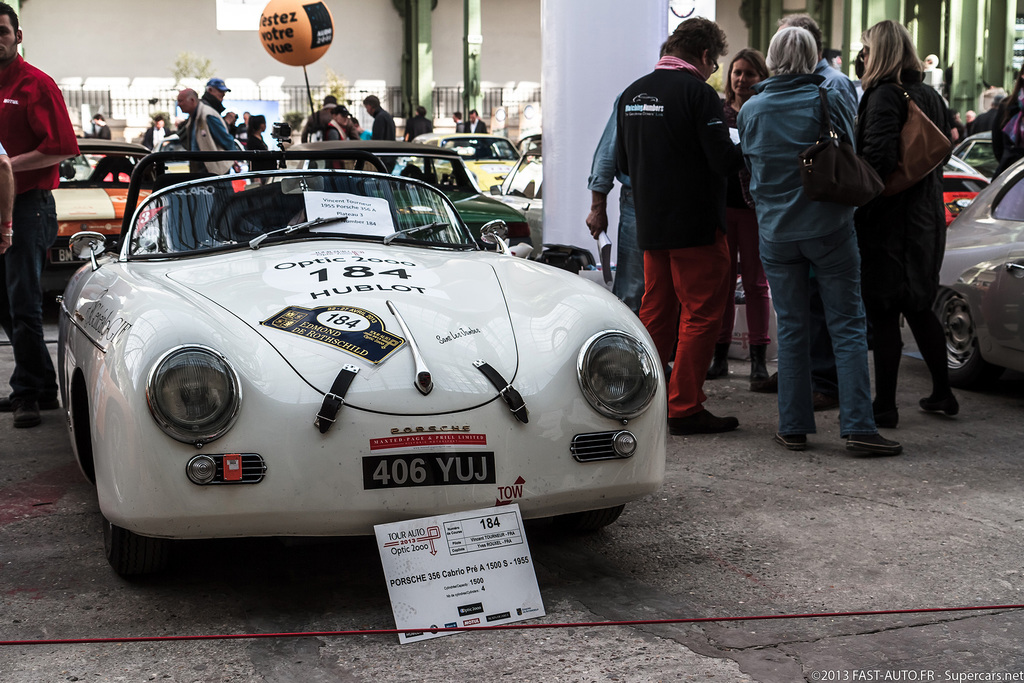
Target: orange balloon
296, 32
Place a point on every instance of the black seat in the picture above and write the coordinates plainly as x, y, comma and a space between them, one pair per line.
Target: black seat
113, 166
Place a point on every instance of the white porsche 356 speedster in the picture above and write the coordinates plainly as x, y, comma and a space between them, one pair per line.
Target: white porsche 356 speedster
312, 352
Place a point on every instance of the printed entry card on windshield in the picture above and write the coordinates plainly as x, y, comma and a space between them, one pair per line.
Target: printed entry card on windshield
365, 215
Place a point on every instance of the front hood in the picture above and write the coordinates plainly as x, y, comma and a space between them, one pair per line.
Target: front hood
322, 308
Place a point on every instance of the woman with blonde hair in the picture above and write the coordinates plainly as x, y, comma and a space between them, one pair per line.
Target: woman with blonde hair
902, 237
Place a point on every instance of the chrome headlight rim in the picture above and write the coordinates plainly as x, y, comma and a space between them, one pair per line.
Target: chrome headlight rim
168, 425
593, 398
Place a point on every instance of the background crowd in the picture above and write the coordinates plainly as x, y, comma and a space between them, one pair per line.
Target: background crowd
835, 271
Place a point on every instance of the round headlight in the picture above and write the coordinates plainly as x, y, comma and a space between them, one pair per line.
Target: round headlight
193, 394
617, 375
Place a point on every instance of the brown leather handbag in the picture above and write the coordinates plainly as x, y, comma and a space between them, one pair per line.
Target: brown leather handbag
923, 147
831, 171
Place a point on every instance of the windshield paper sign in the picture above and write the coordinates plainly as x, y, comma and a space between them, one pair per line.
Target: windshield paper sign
365, 215
353, 330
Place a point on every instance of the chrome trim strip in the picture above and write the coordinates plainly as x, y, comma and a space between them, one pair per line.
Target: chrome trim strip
71, 319
421, 366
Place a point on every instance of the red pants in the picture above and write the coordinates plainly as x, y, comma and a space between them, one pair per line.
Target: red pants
695, 283
743, 242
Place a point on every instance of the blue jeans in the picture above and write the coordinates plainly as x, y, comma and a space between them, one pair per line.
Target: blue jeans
836, 262
823, 362
21, 306
629, 259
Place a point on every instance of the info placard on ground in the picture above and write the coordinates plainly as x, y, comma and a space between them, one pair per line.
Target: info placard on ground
464, 569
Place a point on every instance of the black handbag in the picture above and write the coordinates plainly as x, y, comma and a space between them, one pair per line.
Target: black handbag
832, 172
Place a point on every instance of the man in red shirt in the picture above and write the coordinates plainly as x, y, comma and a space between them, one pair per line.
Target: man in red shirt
37, 133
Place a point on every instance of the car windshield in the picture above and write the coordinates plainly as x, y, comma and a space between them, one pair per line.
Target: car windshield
527, 179
446, 174
482, 149
233, 211
97, 170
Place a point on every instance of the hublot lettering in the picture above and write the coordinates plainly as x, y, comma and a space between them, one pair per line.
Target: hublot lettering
365, 288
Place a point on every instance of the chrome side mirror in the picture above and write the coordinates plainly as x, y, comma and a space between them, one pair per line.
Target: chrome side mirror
88, 244
495, 232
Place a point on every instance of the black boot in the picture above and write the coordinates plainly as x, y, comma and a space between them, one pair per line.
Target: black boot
720, 363
758, 369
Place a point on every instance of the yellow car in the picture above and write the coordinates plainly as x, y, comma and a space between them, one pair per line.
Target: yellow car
488, 157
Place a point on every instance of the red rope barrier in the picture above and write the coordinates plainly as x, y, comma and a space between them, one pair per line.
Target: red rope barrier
500, 627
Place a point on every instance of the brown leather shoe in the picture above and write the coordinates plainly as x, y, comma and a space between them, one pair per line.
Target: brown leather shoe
26, 413
701, 423
768, 386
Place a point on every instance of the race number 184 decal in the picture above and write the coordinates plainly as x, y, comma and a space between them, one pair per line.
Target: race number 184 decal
350, 329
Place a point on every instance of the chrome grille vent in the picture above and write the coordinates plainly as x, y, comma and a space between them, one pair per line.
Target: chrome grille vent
253, 470
602, 446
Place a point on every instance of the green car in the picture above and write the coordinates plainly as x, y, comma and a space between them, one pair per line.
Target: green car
976, 150
441, 168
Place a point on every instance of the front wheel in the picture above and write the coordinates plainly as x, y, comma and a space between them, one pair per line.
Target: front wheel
132, 555
591, 520
966, 366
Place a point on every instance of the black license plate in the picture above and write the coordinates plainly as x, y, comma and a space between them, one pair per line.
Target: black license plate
447, 469
62, 255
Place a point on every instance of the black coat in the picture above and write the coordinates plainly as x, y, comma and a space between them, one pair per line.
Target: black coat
902, 238
1002, 146
673, 144
383, 126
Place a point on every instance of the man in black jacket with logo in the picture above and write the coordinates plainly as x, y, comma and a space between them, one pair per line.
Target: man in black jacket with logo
676, 149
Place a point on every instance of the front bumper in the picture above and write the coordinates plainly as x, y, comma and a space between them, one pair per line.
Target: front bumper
372, 469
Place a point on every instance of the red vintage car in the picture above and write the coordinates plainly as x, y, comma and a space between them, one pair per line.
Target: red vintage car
960, 185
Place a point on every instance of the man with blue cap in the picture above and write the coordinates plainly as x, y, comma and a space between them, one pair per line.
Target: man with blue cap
205, 130
214, 95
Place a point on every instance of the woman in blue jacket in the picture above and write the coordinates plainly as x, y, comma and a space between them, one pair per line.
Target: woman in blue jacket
798, 234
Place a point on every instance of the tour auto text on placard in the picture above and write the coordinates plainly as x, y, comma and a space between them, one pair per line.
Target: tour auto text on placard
460, 570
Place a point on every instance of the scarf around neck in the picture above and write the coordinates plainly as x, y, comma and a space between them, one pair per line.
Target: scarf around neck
1015, 126
676, 64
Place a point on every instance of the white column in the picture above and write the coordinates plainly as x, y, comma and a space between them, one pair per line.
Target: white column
592, 50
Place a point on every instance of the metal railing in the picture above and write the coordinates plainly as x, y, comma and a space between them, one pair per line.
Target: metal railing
122, 103
448, 100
